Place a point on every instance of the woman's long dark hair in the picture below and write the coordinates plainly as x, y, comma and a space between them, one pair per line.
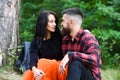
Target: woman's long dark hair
41, 25
41, 32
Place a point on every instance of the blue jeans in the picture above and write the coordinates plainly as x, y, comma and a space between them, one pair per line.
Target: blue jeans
77, 71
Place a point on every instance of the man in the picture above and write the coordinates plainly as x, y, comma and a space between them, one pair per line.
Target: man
80, 47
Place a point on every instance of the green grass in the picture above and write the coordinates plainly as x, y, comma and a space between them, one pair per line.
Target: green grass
111, 74
7, 72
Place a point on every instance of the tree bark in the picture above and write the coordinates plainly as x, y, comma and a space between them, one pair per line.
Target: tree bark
9, 24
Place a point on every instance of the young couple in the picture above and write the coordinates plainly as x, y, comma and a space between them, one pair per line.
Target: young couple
72, 55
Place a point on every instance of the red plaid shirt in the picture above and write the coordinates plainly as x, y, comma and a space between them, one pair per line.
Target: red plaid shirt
85, 48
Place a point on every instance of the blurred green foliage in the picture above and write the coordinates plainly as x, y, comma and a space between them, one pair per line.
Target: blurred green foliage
101, 17
109, 44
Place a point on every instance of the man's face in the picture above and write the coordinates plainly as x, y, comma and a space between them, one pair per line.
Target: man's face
65, 24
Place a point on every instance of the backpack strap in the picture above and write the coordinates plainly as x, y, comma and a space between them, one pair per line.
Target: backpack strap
26, 60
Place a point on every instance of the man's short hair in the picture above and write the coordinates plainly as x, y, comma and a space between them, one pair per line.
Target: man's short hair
73, 11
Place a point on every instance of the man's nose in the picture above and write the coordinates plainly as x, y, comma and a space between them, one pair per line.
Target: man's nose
61, 24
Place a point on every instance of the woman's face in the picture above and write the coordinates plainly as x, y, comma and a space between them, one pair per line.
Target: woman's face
51, 23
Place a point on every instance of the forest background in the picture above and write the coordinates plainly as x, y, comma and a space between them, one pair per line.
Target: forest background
101, 17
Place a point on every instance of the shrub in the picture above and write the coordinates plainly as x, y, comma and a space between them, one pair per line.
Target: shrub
109, 44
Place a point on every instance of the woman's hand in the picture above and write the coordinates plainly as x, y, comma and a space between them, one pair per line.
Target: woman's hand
38, 74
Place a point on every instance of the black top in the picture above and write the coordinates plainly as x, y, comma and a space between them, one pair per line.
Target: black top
50, 49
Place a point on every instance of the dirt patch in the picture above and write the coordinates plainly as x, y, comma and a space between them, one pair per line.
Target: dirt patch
9, 75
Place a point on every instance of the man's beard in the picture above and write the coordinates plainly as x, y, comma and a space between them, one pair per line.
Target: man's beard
66, 31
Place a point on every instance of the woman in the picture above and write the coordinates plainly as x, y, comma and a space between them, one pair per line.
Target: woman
46, 44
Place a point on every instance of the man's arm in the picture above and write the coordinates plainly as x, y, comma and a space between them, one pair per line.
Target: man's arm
91, 53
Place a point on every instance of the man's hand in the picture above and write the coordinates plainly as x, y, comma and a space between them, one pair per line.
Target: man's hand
38, 74
63, 63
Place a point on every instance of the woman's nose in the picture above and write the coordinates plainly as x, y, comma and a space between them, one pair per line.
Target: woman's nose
54, 23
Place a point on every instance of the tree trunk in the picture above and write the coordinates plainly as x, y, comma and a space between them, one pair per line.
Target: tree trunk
9, 24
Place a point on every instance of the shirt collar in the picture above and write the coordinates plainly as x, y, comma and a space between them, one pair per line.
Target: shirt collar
68, 37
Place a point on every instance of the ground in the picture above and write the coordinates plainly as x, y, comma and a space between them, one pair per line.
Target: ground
9, 74
6, 73
111, 74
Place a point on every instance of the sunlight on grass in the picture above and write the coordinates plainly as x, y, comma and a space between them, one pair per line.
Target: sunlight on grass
111, 74
7, 72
